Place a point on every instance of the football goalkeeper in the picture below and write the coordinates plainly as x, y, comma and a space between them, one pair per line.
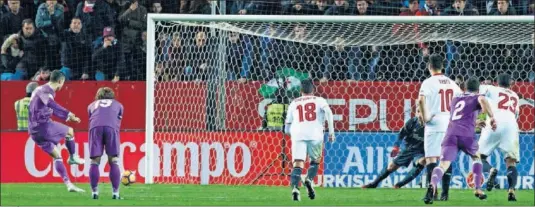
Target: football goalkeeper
413, 135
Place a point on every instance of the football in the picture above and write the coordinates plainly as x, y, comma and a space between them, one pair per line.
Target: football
128, 178
470, 180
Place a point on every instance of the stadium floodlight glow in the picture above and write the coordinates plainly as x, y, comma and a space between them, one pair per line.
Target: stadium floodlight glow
373, 31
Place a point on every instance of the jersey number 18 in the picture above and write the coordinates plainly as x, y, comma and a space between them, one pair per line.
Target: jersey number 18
307, 112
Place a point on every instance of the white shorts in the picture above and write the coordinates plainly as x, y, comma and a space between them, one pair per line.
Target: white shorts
504, 138
302, 148
432, 143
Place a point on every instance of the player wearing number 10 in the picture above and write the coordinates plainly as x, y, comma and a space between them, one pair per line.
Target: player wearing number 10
434, 100
305, 122
460, 136
105, 115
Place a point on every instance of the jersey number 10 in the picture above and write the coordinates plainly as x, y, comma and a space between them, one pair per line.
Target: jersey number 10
445, 99
307, 112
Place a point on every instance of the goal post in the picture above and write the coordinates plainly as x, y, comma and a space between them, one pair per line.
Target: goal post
204, 107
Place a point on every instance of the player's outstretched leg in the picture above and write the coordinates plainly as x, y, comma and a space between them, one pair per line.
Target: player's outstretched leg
477, 170
384, 174
512, 176
94, 175
115, 177
74, 159
493, 172
61, 170
309, 182
446, 185
415, 171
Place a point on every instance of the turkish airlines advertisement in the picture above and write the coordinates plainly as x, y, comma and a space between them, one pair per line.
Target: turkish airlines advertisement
193, 158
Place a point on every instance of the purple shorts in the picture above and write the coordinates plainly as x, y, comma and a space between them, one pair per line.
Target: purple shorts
103, 136
49, 135
452, 144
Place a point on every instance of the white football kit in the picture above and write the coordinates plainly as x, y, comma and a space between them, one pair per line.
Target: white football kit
505, 105
438, 90
306, 119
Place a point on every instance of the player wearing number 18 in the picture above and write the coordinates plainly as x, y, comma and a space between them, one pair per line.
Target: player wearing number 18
460, 136
305, 122
105, 115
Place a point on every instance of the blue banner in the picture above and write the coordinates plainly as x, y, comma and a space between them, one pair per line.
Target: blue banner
356, 158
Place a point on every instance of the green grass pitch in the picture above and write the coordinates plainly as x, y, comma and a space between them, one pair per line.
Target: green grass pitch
158, 195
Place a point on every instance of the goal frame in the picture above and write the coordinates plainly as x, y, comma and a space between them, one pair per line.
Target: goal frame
151, 40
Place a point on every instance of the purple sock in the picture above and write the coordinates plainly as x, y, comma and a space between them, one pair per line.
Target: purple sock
94, 174
477, 169
60, 168
69, 143
438, 172
115, 176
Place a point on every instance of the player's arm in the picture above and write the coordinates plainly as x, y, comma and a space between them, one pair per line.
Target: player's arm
424, 92
121, 112
422, 108
485, 107
58, 110
289, 119
324, 106
401, 136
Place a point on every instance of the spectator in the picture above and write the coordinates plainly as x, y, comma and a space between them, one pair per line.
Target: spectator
531, 10
301, 56
49, 21
108, 59
11, 21
169, 6
297, 7
195, 7
200, 55
76, 51
33, 44
243, 7
239, 57
175, 57
362, 8
161, 72
134, 21
156, 7
115, 7
341, 62
140, 58
413, 10
95, 15
432, 8
504, 8
11, 56
489, 6
340, 7
42, 75
386, 7
461, 8
3, 10
21, 107
317, 8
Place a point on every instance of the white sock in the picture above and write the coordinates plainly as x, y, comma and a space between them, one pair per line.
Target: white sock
95, 193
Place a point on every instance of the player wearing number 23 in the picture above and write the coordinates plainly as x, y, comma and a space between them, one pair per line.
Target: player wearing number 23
105, 115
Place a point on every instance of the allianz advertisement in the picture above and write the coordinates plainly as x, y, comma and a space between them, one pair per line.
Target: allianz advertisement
356, 159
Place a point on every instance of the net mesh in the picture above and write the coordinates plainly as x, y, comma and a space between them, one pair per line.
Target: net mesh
215, 81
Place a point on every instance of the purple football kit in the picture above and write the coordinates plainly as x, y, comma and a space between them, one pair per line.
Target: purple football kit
461, 129
104, 124
45, 132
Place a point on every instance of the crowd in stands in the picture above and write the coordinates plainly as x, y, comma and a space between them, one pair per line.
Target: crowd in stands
106, 40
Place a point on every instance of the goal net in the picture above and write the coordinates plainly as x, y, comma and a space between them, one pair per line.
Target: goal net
215, 85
